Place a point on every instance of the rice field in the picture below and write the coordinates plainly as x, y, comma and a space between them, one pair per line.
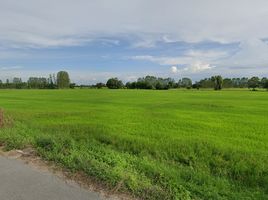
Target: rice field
175, 144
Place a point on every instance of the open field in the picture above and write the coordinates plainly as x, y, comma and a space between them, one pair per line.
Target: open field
155, 144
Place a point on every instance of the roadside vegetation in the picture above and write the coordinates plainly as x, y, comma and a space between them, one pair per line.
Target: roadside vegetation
173, 144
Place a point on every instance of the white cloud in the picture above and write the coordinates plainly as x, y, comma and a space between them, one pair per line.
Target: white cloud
207, 55
198, 67
164, 60
252, 53
174, 69
67, 22
192, 68
61, 23
191, 56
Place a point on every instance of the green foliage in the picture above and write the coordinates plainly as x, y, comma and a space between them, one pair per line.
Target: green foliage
264, 83
147, 82
154, 144
218, 82
45, 143
63, 80
152, 82
131, 85
37, 82
226, 83
72, 85
114, 83
100, 85
185, 83
254, 82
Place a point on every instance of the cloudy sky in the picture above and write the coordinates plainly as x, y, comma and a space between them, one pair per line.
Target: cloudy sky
97, 39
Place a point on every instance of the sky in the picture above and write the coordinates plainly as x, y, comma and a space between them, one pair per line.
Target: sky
97, 39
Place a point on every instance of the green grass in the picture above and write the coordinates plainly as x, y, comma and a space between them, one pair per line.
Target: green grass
158, 144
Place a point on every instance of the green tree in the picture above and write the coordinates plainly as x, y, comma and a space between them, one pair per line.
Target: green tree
114, 83
131, 85
152, 82
100, 85
228, 83
185, 83
206, 83
63, 80
51, 82
218, 82
37, 82
17, 83
265, 84
254, 82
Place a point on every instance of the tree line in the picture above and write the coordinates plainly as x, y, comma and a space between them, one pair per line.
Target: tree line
216, 82
62, 80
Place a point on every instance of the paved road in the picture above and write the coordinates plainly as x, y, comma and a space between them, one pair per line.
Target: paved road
19, 181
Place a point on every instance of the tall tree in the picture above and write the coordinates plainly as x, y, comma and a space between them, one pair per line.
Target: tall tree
254, 82
37, 82
265, 84
218, 81
63, 80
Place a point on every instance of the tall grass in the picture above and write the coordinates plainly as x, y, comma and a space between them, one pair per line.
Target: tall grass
1, 119
153, 144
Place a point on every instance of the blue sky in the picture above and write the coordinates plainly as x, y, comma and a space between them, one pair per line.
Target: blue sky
97, 39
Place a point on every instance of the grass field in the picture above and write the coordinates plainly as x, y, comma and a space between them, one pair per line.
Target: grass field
156, 144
